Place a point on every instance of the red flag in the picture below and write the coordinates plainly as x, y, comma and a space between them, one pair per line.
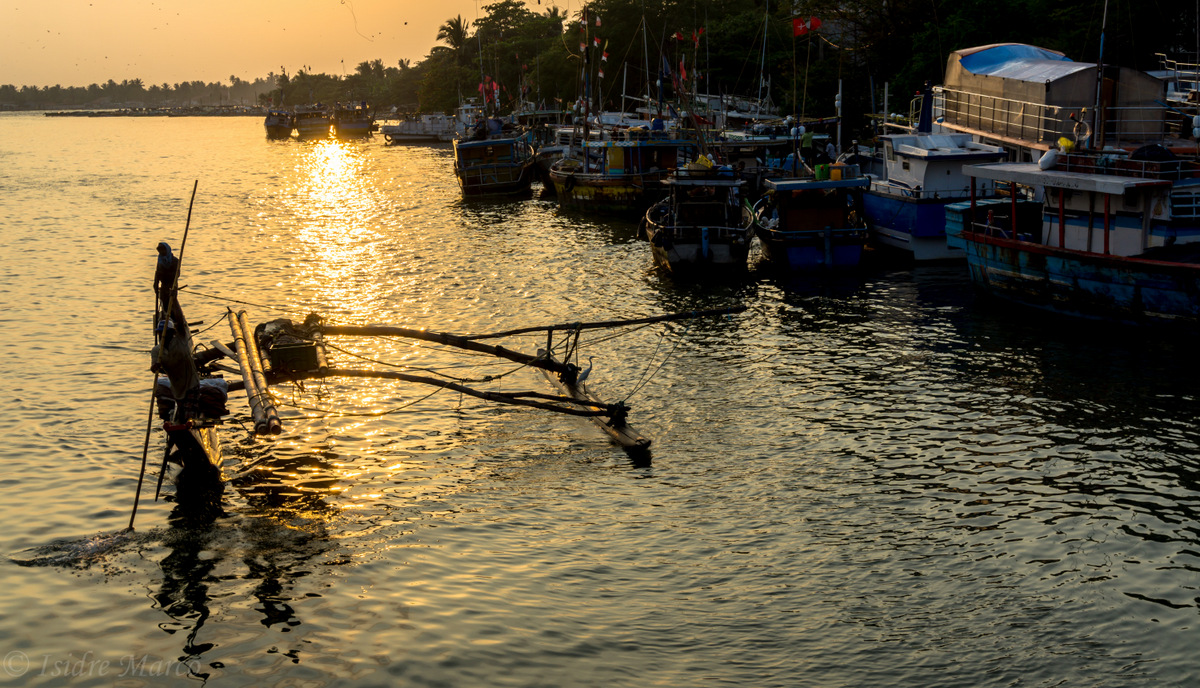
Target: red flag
801, 27
696, 36
678, 36
604, 57
596, 41
582, 47
600, 73
597, 21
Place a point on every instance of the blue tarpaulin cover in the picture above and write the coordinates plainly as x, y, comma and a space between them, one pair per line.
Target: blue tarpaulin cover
1020, 62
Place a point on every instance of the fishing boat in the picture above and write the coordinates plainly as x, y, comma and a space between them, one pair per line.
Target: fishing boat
699, 227
1115, 236
813, 222
278, 123
560, 142
623, 175
311, 121
190, 398
351, 120
500, 164
921, 174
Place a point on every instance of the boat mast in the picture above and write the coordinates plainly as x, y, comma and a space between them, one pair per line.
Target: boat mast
762, 67
587, 87
482, 86
646, 56
1096, 121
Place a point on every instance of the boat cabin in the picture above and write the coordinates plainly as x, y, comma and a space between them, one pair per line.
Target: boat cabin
640, 152
804, 205
930, 165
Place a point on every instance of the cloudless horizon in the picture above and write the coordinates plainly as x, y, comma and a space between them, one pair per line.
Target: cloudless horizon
83, 42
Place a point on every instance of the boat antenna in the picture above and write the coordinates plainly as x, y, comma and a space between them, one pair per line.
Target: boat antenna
154, 388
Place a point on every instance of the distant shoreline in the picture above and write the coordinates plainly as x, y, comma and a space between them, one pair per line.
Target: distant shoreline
202, 111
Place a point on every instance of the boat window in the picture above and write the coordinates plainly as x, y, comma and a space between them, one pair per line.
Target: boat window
1131, 200
888, 151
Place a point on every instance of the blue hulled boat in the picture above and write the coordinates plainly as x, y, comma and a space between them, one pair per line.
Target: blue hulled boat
812, 223
1114, 238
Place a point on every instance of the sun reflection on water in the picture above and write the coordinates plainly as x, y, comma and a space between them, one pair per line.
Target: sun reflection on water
337, 210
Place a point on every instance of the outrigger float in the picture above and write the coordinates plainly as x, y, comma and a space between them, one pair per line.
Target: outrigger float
282, 351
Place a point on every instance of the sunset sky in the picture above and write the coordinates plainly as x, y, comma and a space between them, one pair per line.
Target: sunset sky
80, 42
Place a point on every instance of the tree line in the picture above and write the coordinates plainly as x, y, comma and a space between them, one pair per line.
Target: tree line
514, 53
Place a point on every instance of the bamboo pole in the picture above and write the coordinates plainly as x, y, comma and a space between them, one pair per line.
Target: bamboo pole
253, 394
137, 496
260, 377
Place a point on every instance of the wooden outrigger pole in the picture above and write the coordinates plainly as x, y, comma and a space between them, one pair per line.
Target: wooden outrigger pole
574, 398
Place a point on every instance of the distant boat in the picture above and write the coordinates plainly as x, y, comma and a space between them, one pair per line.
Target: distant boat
813, 223
352, 120
278, 123
428, 128
311, 121
699, 227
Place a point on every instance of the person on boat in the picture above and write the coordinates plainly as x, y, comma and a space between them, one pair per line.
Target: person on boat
164, 276
481, 130
830, 151
806, 146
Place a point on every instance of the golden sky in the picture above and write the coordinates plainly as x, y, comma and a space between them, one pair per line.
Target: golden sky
81, 42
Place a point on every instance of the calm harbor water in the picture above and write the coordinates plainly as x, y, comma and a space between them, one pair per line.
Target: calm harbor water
867, 480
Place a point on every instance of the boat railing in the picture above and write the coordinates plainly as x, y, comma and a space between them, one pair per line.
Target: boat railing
1124, 166
1183, 73
1044, 123
1133, 125
486, 175
1006, 117
889, 186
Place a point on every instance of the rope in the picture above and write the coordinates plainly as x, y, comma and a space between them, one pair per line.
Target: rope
218, 322
644, 380
244, 303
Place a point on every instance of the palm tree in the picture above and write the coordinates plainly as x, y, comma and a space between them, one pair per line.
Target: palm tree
454, 33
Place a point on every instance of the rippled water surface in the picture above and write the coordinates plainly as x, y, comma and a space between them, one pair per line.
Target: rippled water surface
864, 480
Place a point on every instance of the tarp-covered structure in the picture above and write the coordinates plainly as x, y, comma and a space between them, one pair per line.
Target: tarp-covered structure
1022, 93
